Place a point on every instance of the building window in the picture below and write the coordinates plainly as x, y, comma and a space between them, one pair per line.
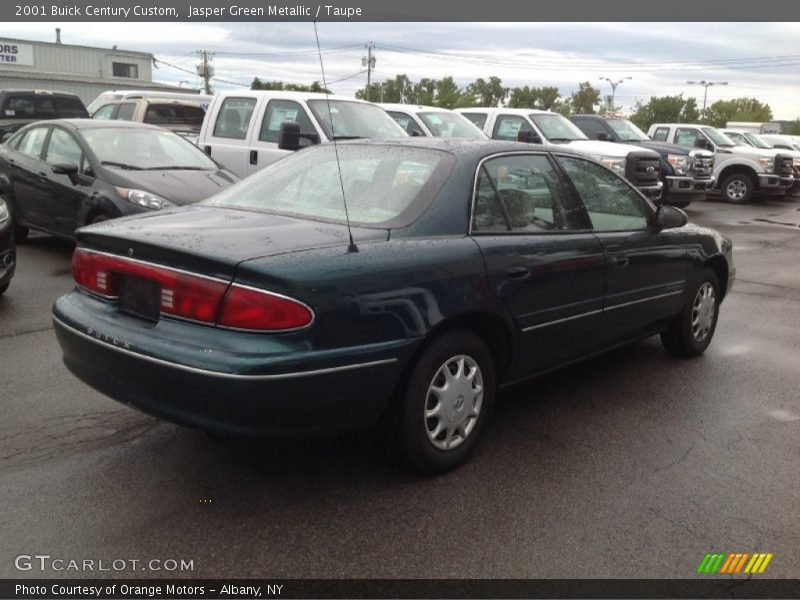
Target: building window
125, 70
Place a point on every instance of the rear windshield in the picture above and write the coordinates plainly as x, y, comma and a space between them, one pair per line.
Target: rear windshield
42, 106
383, 184
174, 114
344, 119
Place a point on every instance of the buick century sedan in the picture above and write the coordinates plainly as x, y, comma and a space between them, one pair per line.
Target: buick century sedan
394, 283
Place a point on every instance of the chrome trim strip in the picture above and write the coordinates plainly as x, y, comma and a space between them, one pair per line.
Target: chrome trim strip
594, 312
220, 374
643, 300
548, 323
151, 264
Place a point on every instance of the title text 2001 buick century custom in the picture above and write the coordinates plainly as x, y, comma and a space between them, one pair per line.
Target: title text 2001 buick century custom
475, 264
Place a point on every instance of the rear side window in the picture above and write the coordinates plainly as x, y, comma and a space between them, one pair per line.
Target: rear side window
70, 108
32, 142
175, 114
20, 107
280, 111
233, 119
508, 127
478, 119
520, 194
125, 111
63, 148
661, 134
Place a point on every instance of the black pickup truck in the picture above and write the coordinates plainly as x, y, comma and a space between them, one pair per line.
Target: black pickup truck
20, 107
687, 173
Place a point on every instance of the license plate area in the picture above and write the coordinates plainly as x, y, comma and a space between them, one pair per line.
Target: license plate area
140, 297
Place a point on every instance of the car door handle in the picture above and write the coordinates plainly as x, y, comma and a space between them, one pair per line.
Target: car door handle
253, 157
618, 262
42, 174
518, 273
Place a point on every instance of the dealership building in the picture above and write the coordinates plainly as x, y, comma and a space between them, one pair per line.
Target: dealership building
80, 70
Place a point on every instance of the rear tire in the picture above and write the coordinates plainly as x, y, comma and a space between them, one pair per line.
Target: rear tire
445, 405
690, 332
738, 188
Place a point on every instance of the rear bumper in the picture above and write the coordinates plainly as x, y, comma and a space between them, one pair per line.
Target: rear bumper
226, 382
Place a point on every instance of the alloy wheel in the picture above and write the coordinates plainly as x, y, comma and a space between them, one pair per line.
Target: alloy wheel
703, 311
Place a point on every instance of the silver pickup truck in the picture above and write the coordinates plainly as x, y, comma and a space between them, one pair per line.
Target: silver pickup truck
740, 171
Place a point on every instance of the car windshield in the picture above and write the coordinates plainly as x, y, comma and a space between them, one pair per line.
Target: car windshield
719, 138
380, 182
757, 141
354, 120
144, 148
557, 128
627, 131
450, 125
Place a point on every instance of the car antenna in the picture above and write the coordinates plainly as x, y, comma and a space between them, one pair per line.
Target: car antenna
352, 247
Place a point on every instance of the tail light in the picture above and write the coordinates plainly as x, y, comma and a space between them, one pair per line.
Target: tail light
250, 308
194, 297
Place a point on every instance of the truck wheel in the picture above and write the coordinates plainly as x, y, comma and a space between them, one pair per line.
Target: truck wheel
738, 188
443, 409
690, 332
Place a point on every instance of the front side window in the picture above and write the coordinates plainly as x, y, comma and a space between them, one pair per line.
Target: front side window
233, 118
280, 111
32, 142
593, 128
63, 149
508, 127
520, 193
382, 184
661, 134
408, 123
611, 203
686, 136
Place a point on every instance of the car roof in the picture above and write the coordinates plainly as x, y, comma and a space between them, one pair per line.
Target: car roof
513, 111
412, 107
39, 93
288, 94
462, 146
79, 124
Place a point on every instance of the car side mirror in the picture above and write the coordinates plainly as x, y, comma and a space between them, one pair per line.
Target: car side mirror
603, 137
70, 169
528, 137
6, 137
670, 217
289, 136
701, 142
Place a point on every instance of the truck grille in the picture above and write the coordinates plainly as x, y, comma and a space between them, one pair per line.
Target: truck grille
783, 165
703, 166
643, 169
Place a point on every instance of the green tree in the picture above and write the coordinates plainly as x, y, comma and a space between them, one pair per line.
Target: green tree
665, 109
316, 86
485, 93
544, 98
608, 107
738, 109
794, 128
585, 99
448, 94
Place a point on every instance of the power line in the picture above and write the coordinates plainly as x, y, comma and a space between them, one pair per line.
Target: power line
295, 52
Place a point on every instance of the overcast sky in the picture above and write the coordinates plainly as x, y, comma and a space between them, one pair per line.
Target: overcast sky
758, 59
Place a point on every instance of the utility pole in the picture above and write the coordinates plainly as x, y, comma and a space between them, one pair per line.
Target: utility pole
205, 70
369, 62
614, 85
706, 84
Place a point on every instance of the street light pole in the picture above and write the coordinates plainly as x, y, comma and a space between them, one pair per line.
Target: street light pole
614, 85
706, 85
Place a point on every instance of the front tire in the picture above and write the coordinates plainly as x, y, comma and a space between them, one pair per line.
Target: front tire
738, 188
690, 333
444, 408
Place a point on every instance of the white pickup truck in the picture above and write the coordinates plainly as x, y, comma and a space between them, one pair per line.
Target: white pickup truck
241, 129
638, 165
739, 170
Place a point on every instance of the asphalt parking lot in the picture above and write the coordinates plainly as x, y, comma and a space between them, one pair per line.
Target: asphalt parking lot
633, 464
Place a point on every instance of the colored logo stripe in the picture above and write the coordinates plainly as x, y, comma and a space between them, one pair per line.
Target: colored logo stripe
733, 563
